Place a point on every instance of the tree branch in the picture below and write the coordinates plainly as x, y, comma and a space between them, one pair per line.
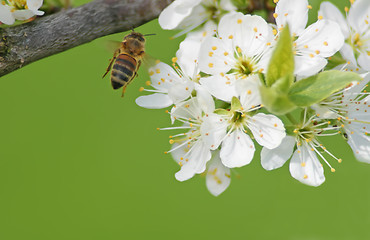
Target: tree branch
43, 37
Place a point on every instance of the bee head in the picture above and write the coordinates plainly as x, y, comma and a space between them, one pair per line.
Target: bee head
135, 35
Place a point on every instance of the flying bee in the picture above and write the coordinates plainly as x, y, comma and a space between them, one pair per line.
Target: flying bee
126, 60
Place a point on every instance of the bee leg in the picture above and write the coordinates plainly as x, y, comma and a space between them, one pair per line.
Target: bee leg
111, 62
138, 66
123, 90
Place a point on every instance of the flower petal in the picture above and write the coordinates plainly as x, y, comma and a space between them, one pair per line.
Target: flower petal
154, 101
214, 56
213, 130
180, 91
188, 56
347, 53
163, 76
6, 16
359, 16
208, 30
222, 87
205, 100
331, 12
306, 66
364, 60
237, 149
248, 91
188, 109
323, 38
250, 33
197, 157
359, 140
275, 158
267, 129
293, 12
172, 16
218, 176
34, 5
23, 14
305, 166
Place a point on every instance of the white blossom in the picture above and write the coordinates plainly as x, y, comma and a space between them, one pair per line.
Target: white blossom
218, 176
304, 165
234, 128
355, 28
350, 108
173, 85
190, 14
313, 44
235, 55
189, 149
12, 10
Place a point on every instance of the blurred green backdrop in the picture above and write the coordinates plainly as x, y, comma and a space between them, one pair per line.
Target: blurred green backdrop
79, 162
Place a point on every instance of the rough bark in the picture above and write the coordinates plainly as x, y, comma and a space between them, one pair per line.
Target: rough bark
26, 43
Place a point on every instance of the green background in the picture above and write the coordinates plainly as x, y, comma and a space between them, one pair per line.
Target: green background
79, 162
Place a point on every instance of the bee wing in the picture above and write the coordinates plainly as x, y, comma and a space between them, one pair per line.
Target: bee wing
112, 46
149, 61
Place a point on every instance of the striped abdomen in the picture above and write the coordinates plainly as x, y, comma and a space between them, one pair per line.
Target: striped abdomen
123, 70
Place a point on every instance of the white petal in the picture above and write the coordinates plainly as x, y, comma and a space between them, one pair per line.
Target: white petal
213, 130
208, 30
154, 101
323, 38
222, 87
347, 53
267, 129
218, 176
359, 141
359, 16
250, 33
293, 12
364, 60
197, 157
176, 12
23, 14
205, 100
34, 5
305, 167
215, 57
237, 149
187, 109
248, 91
331, 12
188, 56
180, 91
6, 16
179, 153
275, 158
163, 76
306, 66
227, 5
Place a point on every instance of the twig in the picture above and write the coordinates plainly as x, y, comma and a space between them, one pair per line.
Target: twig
26, 43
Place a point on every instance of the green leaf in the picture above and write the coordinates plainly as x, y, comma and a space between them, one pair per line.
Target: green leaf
282, 59
309, 91
275, 101
235, 104
222, 112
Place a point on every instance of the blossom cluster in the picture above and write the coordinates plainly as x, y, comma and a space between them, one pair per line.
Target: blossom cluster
11, 10
237, 81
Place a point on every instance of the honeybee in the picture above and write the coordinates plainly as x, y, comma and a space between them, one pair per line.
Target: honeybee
126, 60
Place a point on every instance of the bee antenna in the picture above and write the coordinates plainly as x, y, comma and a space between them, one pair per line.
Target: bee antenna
150, 34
